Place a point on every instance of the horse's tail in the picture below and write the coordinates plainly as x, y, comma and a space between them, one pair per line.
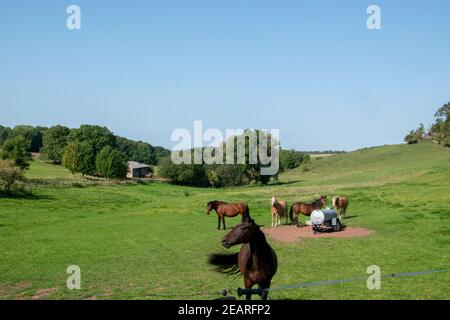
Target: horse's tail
225, 263
291, 213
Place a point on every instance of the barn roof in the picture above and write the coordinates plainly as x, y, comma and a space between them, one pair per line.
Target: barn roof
137, 165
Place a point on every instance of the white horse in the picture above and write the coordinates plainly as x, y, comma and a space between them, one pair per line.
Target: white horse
279, 210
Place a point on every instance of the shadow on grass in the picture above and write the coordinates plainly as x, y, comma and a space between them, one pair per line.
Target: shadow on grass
350, 217
284, 183
25, 196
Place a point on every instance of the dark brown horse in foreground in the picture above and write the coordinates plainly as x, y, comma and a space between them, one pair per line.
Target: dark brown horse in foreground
305, 208
256, 260
225, 209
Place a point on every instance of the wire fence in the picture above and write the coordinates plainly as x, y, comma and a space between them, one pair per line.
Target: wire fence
240, 292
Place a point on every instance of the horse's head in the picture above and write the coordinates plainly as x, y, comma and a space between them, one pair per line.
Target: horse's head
210, 206
242, 233
323, 199
334, 201
274, 200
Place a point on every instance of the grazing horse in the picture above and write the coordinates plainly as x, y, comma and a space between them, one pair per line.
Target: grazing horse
340, 204
305, 208
256, 260
224, 209
279, 210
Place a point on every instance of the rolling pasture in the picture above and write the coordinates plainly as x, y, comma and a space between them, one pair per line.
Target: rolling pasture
151, 240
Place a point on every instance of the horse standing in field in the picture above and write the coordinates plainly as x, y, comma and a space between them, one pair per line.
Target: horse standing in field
279, 210
340, 204
305, 208
224, 209
256, 260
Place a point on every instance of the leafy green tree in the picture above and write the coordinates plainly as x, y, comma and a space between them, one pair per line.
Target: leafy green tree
33, 135
183, 174
141, 151
4, 134
111, 163
73, 157
442, 125
54, 142
9, 175
160, 153
88, 157
16, 149
98, 137
415, 136
290, 159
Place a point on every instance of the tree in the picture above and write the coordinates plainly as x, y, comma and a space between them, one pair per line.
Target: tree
441, 128
9, 174
87, 161
98, 137
415, 136
73, 156
141, 151
16, 149
184, 174
111, 163
54, 142
290, 159
33, 135
4, 134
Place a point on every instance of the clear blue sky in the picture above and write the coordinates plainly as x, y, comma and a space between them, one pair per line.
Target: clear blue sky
310, 68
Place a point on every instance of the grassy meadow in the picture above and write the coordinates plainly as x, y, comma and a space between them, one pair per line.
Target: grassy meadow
151, 240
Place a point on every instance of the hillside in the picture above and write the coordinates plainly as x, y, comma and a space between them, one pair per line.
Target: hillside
151, 241
376, 166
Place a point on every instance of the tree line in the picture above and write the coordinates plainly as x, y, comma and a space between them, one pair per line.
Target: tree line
439, 131
90, 150
225, 175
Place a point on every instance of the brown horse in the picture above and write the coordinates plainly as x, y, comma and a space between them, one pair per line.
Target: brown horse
340, 204
224, 209
256, 260
305, 208
279, 210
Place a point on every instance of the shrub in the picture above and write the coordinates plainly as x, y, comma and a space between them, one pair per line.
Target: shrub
9, 175
54, 142
16, 149
111, 163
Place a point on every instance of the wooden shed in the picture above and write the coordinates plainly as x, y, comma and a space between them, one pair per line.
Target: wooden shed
138, 170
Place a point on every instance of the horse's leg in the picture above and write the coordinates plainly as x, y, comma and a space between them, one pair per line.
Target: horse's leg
278, 220
272, 220
248, 285
223, 222
218, 224
264, 286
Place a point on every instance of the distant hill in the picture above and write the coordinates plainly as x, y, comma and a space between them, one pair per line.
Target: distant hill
378, 165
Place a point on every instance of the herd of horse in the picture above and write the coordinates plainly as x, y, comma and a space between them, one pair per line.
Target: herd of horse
256, 260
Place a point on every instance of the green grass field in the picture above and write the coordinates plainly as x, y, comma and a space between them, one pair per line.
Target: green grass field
151, 241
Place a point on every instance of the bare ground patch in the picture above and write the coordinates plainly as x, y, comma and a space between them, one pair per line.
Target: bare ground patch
292, 233
43, 293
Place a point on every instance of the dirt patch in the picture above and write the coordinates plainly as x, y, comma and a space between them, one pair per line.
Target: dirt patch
292, 233
43, 293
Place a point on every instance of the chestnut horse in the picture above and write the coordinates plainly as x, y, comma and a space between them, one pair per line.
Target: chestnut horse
340, 204
279, 210
225, 209
256, 260
305, 208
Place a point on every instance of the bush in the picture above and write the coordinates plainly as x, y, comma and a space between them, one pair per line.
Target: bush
290, 159
16, 149
111, 163
9, 175
54, 142
73, 156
